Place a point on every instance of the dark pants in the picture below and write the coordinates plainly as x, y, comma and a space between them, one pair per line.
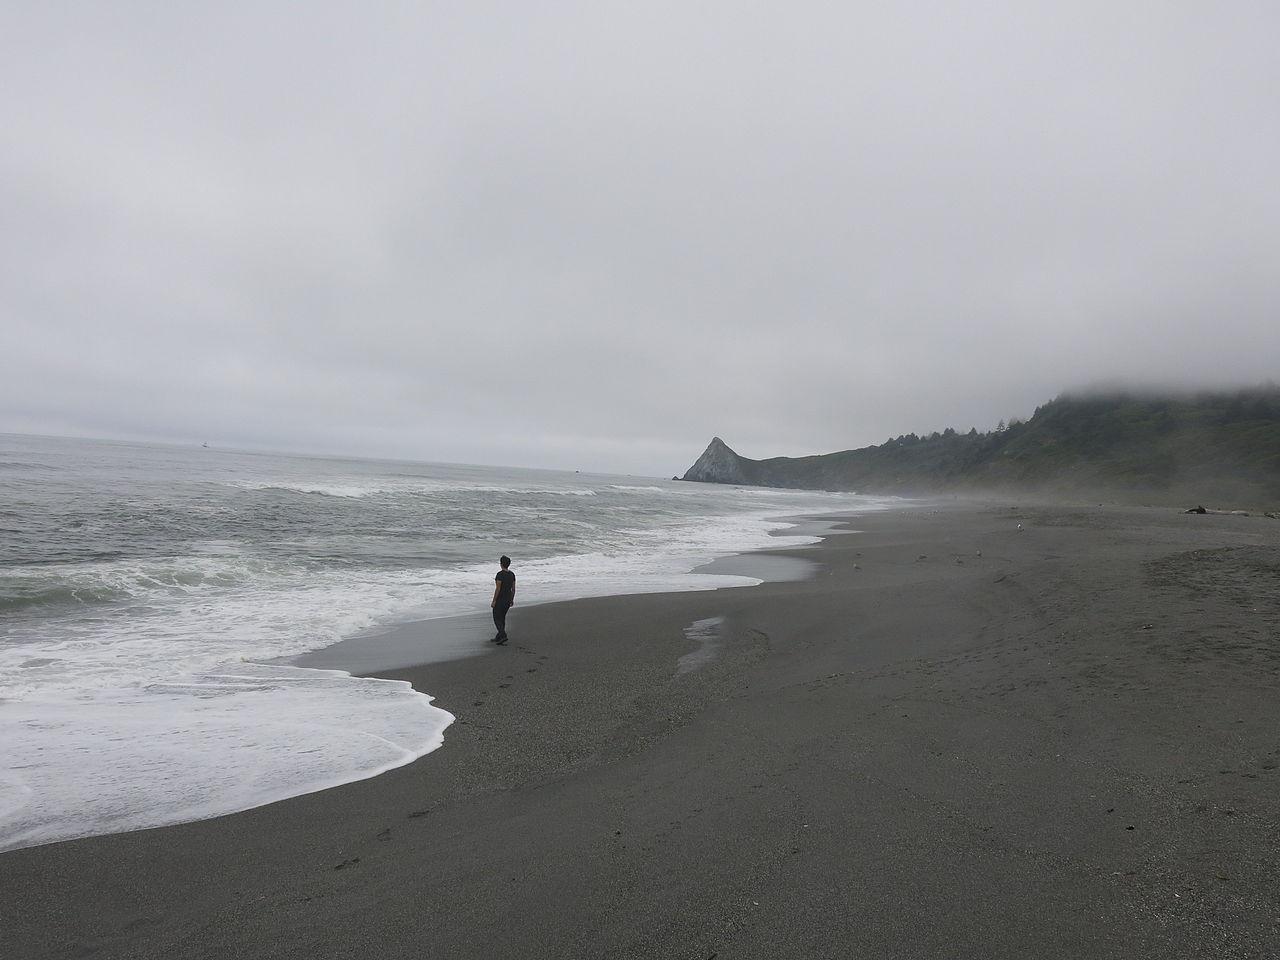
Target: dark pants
500, 618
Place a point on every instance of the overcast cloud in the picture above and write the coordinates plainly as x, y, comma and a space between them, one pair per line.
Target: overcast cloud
594, 235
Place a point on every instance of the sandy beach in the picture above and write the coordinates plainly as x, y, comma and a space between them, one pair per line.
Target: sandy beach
957, 739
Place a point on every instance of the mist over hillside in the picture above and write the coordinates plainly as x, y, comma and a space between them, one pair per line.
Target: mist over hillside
1217, 446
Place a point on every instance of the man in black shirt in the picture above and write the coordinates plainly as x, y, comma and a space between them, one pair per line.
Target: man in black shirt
504, 595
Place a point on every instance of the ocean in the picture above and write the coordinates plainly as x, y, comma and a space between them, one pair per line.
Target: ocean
148, 593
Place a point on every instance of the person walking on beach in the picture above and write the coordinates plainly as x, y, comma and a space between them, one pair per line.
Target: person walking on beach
504, 595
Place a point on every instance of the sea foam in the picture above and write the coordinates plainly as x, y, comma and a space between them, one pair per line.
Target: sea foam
200, 746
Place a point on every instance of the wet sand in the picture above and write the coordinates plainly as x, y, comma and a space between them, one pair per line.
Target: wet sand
1065, 747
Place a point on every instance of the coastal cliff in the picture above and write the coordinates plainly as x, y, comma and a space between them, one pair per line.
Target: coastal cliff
1214, 444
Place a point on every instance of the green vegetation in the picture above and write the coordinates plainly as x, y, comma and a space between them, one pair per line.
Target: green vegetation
1210, 446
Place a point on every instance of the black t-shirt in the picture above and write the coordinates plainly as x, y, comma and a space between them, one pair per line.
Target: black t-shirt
507, 592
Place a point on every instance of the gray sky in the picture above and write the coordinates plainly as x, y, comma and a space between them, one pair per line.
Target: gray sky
593, 235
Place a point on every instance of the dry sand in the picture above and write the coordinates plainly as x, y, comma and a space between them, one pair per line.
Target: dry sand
1066, 747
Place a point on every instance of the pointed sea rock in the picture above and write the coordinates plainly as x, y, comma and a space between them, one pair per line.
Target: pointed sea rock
718, 464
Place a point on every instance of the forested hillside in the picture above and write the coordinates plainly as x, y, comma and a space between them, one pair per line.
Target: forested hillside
1211, 446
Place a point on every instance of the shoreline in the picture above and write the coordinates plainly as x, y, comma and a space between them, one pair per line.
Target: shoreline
1063, 748
357, 662
419, 642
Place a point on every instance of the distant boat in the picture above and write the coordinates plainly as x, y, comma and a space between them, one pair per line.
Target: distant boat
205, 445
